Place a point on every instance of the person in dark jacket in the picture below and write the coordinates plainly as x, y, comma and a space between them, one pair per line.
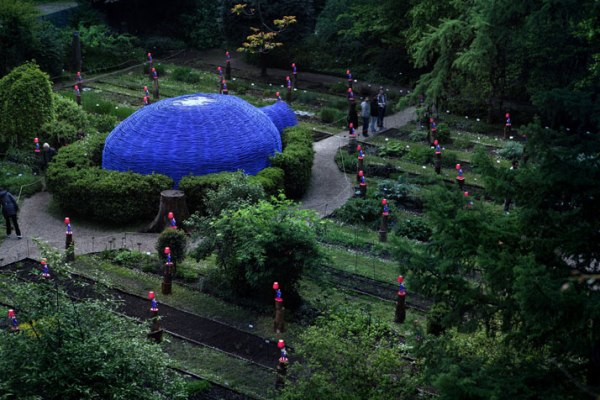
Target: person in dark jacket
10, 208
352, 115
374, 113
47, 155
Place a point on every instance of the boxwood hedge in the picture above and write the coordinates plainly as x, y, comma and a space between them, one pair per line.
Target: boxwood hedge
296, 160
80, 185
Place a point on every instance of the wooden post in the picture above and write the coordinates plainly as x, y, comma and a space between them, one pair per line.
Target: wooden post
278, 322
401, 302
352, 141
437, 163
507, 126
156, 93
76, 52
383, 228
69, 244
363, 187
155, 328
360, 166
170, 201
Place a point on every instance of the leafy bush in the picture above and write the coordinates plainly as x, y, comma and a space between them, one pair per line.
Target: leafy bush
134, 260
196, 188
185, 74
102, 48
272, 180
26, 103
461, 142
360, 211
413, 228
511, 151
394, 149
296, 160
420, 155
176, 240
398, 190
103, 123
449, 159
443, 133
81, 186
199, 386
13, 177
418, 135
259, 244
236, 191
329, 115
201, 24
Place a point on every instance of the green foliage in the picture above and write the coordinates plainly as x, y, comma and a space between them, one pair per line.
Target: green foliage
271, 179
418, 135
296, 160
197, 187
102, 123
329, 115
161, 46
133, 259
235, 191
49, 45
160, 69
399, 190
101, 48
201, 24
420, 155
176, 240
17, 19
256, 245
80, 185
26, 103
413, 227
443, 133
511, 150
360, 211
349, 355
94, 352
13, 177
394, 149
197, 386
185, 74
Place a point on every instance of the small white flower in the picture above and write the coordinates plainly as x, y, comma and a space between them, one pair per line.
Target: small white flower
250, 326
116, 107
295, 90
511, 137
407, 146
355, 81
478, 119
568, 129
97, 105
447, 111
495, 138
547, 128
386, 139
466, 116
233, 79
498, 161
424, 167
252, 84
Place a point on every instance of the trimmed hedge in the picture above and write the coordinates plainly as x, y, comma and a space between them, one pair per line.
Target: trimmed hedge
296, 160
272, 180
81, 186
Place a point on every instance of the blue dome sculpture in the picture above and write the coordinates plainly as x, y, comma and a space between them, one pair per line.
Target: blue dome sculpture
197, 134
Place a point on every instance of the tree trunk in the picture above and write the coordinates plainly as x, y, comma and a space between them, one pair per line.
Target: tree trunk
76, 52
170, 201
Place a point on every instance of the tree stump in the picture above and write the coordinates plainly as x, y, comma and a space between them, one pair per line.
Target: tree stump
170, 200
278, 326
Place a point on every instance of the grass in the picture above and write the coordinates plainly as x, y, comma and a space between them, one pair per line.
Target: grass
364, 265
219, 367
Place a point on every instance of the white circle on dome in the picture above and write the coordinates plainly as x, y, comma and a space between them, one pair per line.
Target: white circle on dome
193, 101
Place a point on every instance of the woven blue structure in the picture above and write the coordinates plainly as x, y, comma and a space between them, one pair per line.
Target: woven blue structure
197, 134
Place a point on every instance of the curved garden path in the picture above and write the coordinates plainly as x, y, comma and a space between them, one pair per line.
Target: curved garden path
330, 188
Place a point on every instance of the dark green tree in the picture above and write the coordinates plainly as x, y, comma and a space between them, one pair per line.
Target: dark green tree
17, 21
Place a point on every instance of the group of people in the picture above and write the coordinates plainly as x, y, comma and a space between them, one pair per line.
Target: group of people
372, 113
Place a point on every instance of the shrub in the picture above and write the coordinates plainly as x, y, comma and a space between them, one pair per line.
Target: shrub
103, 123
328, 115
511, 151
260, 244
272, 180
236, 191
360, 211
399, 190
296, 160
185, 74
461, 142
449, 159
420, 155
162, 45
176, 240
443, 133
413, 228
102, 48
418, 135
13, 177
196, 188
134, 260
81, 186
394, 149
26, 103
58, 133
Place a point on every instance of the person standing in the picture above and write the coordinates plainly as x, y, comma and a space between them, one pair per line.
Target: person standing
47, 155
365, 113
381, 104
10, 208
352, 115
374, 107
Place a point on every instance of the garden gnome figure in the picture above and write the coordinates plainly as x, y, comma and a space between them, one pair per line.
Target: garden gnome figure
361, 160
469, 202
507, 126
224, 85
168, 273
155, 328
227, 66
460, 179
146, 100
401, 301
278, 322
383, 228
69, 244
438, 158
150, 65
363, 187
45, 269
172, 221
146, 91
155, 78
349, 78
278, 95
352, 138
38, 156
432, 129
351, 98
282, 365
288, 95
14, 324
79, 80
77, 95
220, 73
295, 74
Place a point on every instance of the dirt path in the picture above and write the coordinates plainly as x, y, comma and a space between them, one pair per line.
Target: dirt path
330, 188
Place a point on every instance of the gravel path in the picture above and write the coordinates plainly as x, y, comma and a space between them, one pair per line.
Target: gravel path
330, 188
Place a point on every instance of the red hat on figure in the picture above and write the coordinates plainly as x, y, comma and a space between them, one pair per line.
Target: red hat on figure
435, 142
507, 115
360, 173
457, 166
